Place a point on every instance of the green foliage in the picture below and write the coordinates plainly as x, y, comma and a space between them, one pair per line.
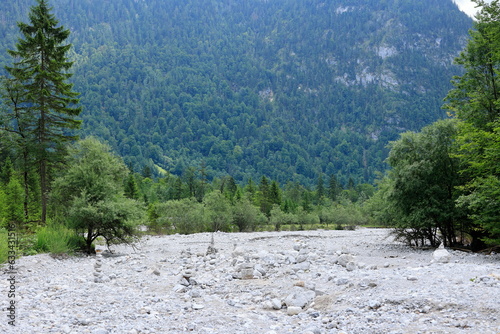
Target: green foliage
378, 207
218, 212
475, 102
55, 239
14, 201
42, 102
346, 215
483, 202
246, 216
279, 218
4, 246
306, 218
131, 188
276, 88
183, 216
89, 195
424, 177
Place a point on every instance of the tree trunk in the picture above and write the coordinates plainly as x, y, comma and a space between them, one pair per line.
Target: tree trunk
43, 186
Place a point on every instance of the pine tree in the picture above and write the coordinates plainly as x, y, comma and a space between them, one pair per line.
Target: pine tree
178, 188
131, 188
264, 203
203, 181
320, 188
275, 193
333, 187
41, 70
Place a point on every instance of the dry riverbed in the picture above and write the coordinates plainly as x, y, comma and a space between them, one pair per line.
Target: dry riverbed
267, 282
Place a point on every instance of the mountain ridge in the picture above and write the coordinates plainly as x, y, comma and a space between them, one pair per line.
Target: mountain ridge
287, 89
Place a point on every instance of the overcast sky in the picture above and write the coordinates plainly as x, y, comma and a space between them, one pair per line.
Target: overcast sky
467, 6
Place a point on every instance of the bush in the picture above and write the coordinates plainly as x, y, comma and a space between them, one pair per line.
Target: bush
218, 212
55, 239
246, 216
183, 216
4, 247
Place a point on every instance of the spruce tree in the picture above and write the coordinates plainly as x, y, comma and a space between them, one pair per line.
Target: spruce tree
333, 187
41, 68
265, 204
131, 188
275, 193
320, 188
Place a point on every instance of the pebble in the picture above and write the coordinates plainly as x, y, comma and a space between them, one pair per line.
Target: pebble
293, 310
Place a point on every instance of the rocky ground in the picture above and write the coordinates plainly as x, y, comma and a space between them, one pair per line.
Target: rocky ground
270, 282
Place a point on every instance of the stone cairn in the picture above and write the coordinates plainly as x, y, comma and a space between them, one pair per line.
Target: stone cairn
211, 250
98, 278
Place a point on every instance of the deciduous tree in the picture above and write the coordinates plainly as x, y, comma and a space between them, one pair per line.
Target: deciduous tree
89, 196
425, 177
475, 101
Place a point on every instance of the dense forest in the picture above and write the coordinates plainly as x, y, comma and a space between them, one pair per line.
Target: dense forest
287, 89
182, 137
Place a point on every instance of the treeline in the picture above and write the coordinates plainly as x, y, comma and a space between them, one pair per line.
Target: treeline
96, 195
190, 203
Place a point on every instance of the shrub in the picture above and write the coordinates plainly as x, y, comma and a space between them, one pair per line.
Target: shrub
3, 246
183, 216
218, 212
55, 239
246, 216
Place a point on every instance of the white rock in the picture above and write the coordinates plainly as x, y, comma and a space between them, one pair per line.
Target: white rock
374, 304
100, 331
197, 306
293, 310
441, 255
260, 268
304, 266
180, 288
344, 259
267, 305
299, 297
276, 303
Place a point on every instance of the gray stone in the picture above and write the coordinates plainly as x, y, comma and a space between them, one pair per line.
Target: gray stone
342, 281
301, 258
246, 273
344, 259
351, 266
100, 331
180, 288
374, 304
299, 297
304, 266
260, 268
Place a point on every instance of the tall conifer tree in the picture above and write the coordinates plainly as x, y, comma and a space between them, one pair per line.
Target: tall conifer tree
41, 68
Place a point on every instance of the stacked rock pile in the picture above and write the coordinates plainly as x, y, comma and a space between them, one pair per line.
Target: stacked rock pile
98, 276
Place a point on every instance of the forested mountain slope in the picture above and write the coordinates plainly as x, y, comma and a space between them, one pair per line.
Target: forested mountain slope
283, 88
